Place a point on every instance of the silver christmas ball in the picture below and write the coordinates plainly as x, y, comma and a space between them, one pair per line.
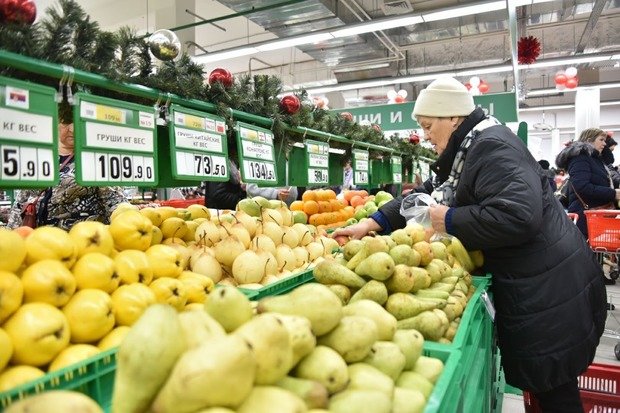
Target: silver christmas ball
164, 45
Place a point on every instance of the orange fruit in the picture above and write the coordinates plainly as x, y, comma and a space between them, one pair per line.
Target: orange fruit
297, 206
349, 211
357, 201
325, 206
330, 194
311, 207
336, 204
313, 219
309, 196
348, 195
363, 193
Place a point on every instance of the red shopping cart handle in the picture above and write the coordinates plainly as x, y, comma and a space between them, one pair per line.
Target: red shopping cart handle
572, 216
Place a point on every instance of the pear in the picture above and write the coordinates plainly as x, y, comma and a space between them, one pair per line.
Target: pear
415, 381
290, 237
421, 277
372, 290
371, 246
405, 305
401, 254
228, 249
401, 237
314, 301
386, 357
270, 343
313, 393
248, 221
426, 254
276, 204
360, 401
414, 258
366, 377
269, 399
325, 366
220, 372
272, 230
379, 266
389, 241
242, 234
269, 262
330, 272
300, 335
199, 327
302, 256
248, 267
401, 281
428, 323
285, 257
159, 326
263, 242
428, 367
305, 235
439, 250
329, 244
384, 321
207, 234
315, 250
342, 291
207, 265
408, 401
287, 216
229, 307
271, 215
416, 232
262, 202
352, 338
352, 247
410, 343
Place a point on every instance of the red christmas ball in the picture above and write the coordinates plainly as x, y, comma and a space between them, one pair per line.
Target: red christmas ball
18, 11
572, 82
290, 104
348, 116
414, 138
222, 76
376, 127
483, 87
560, 79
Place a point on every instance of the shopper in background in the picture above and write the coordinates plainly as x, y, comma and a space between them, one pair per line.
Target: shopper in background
590, 184
287, 194
492, 195
544, 164
68, 202
226, 195
347, 181
608, 159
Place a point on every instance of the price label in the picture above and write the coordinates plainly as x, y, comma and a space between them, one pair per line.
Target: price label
317, 162
397, 178
360, 178
104, 113
201, 165
117, 168
397, 169
27, 163
259, 171
318, 176
360, 167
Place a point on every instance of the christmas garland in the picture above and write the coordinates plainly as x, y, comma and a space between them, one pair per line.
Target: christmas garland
66, 35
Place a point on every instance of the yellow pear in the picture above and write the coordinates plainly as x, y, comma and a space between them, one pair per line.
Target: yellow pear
114, 338
170, 291
132, 266
6, 349
17, 375
12, 250
228, 249
95, 270
153, 215
230, 307
129, 302
90, 315
198, 286
165, 261
50, 243
11, 294
206, 264
207, 234
91, 236
48, 281
131, 230
199, 211
73, 354
173, 227
263, 242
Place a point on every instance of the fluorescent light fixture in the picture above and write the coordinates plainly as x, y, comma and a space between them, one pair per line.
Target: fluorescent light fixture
228, 54
552, 91
518, 3
381, 82
315, 83
543, 108
294, 41
607, 85
612, 103
485, 71
384, 24
567, 61
464, 11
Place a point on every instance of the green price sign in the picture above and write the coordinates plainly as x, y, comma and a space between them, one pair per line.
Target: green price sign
397, 169
256, 154
360, 167
115, 142
198, 145
317, 162
28, 135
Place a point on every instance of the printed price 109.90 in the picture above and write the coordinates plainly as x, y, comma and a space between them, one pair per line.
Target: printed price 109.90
107, 167
20, 163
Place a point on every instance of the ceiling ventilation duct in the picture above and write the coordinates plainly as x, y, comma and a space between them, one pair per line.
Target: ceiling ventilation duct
396, 7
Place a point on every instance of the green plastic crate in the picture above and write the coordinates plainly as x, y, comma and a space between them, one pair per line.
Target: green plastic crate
279, 287
93, 377
446, 393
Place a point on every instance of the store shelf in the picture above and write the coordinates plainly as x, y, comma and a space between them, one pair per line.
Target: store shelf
446, 393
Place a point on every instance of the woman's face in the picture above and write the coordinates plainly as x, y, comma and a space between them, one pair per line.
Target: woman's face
437, 131
599, 142
66, 136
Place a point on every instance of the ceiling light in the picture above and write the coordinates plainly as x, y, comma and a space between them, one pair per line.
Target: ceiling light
383, 24
613, 103
464, 11
552, 91
543, 108
566, 61
294, 41
228, 54
315, 83
484, 71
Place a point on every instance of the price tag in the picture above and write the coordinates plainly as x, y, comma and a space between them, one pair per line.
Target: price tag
198, 146
256, 156
360, 167
115, 142
318, 176
28, 135
317, 162
397, 169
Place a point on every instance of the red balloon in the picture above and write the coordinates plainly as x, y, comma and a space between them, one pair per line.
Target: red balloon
483, 87
399, 99
572, 82
18, 11
560, 79
290, 104
222, 76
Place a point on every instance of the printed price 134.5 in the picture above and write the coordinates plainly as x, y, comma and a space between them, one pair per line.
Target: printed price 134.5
259, 170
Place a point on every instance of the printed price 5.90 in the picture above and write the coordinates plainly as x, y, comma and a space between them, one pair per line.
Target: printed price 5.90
20, 163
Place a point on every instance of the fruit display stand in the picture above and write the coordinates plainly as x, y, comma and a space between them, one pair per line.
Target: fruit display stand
446, 391
93, 377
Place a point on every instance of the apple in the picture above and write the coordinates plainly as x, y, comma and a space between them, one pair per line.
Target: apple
114, 338
170, 291
18, 375
12, 250
153, 215
73, 354
165, 261
130, 301
206, 264
199, 211
50, 243
383, 197
131, 230
48, 281
6, 349
360, 213
198, 286
90, 316
91, 236
173, 227
133, 266
11, 295
95, 270
38, 331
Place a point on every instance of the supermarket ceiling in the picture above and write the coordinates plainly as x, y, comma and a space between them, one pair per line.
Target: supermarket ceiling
465, 38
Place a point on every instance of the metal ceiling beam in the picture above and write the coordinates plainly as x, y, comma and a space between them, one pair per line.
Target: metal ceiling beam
597, 9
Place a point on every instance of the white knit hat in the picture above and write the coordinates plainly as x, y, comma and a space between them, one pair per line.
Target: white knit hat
444, 97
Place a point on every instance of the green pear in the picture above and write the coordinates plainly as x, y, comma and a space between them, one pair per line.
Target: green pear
389, 241
276, 203
401, 254
371, 246
199, 327
428, 367
270, 343
249, 206
415, 381
408, 401
386, 357
428, 323
385, 322
426, 254
366, 377
401, 237
378, 266
300, 335
401, 281
229, 307
410, 343
269, 399
263, 202
405, 305
342, 291
434, 270
414, 258
444, 269
439, 250
360, 401
314, 301
352, 338
330, 272
372, 290
416, 232
325, 366
351, 248
313, 393
217, 373
421, 278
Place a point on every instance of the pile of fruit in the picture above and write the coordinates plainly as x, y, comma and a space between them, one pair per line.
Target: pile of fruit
365, 205
323, 209
424, 285
303, 351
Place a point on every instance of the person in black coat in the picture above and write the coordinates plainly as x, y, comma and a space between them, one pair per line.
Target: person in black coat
492, 195
589, 180
226, 195
544, 164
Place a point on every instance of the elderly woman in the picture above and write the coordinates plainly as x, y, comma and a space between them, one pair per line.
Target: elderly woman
492, 195
590, 184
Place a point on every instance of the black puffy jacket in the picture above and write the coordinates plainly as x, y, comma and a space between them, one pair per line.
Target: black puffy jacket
548, 288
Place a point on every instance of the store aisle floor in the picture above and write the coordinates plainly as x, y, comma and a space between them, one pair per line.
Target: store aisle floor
604, 353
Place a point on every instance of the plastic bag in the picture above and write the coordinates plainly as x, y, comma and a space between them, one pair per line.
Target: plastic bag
415, 208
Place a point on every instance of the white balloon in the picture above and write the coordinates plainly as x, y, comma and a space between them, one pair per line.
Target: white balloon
391, 94
474, 81
402, 93
571, 72
560, 87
